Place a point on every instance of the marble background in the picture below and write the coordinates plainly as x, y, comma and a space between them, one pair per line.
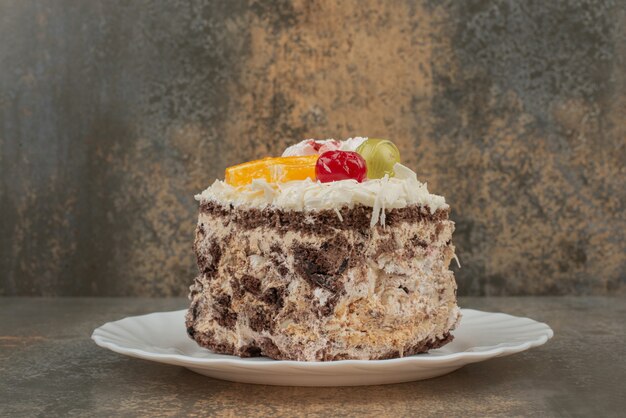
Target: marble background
114, 113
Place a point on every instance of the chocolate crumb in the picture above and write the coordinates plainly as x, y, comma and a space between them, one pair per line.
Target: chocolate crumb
438, 229
238, 290
224, 314
207, 339
282, 270
191, 317
385, 246
418, 242
208, 265
389, 355
260, 319
269, 349
343, 266
320, 267
251, 284
274, 297
424, 346
329, 307
249, 351
191, 331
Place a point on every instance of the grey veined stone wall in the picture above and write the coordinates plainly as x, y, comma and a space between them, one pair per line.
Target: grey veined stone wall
114, 113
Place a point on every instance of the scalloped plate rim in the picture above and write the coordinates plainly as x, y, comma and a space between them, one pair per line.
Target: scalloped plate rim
445, 360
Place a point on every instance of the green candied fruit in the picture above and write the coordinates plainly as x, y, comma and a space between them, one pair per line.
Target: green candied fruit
380, 156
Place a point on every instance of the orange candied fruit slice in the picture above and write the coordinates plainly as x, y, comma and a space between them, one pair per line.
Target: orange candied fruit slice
273, 170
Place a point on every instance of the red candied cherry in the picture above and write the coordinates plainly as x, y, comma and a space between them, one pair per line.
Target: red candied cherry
340, 165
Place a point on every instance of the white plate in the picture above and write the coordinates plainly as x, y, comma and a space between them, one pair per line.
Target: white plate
162, 337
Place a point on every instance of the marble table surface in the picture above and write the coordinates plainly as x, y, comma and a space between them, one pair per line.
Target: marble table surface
50, 367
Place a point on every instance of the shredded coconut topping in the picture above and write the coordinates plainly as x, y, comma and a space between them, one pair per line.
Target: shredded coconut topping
380, 194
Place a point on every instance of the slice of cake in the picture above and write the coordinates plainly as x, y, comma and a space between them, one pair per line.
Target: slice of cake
323, 254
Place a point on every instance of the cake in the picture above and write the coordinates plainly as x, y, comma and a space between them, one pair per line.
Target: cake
295, 264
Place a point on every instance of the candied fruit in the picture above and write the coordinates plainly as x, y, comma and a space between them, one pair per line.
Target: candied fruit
273, 170
340, 165
380, 155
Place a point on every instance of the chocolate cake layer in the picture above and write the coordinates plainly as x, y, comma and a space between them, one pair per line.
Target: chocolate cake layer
344, 218
322, 285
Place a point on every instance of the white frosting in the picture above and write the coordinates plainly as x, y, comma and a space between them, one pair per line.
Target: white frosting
307, 147
351, 144
387, 193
